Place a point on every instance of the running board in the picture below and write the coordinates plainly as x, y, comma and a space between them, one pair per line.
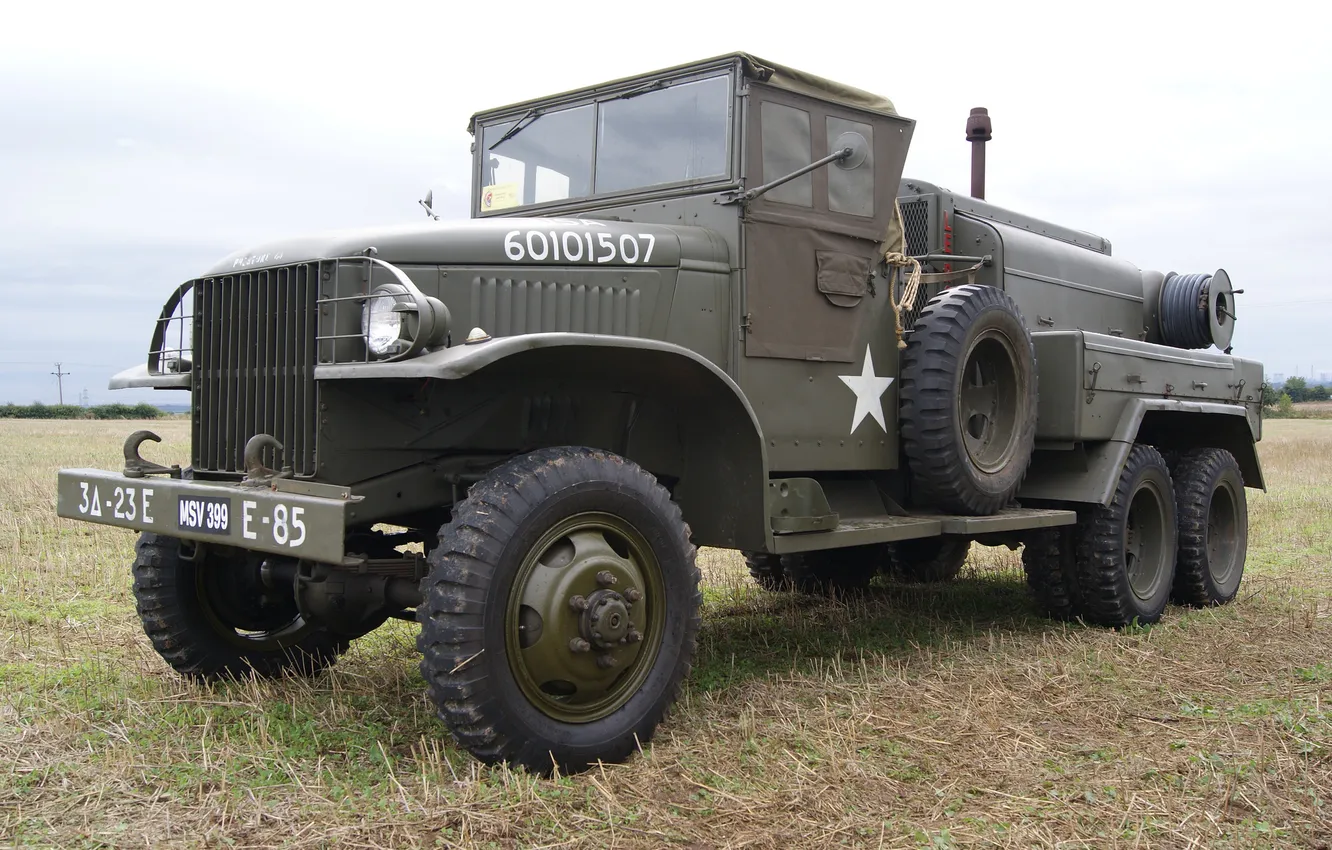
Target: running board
862, 531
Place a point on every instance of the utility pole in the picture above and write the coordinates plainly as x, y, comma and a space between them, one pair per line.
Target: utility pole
60, 383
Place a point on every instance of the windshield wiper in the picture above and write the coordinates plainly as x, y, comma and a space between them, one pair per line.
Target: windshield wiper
518, 127
652, 86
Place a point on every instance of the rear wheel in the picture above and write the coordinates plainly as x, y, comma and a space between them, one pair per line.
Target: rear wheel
1049, 562
929, 560
833, 572
968, 400
561, 611
766, 570
1213, 527
1126, 552
210, 616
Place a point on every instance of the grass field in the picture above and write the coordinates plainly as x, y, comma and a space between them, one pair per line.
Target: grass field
922, 717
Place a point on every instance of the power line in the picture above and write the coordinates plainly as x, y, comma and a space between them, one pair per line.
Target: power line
1289, 303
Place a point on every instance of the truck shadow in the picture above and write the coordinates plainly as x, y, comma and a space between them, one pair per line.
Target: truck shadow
751, 634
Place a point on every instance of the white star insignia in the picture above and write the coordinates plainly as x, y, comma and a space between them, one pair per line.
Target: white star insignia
869, 389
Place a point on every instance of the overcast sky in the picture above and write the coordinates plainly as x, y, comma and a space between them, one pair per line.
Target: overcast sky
142, 142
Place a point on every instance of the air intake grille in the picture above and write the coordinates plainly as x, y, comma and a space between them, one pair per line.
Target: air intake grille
916, 223
254, 352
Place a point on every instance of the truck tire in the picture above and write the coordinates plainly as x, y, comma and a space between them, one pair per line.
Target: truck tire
1049, 562
930, 560
833, 572
1125, 553
968, 401
210, 617
766, 570
561, 611
1213, 527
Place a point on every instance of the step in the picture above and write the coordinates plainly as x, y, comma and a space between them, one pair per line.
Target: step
862, 531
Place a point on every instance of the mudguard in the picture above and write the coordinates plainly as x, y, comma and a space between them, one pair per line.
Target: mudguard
722, 490
1088, 474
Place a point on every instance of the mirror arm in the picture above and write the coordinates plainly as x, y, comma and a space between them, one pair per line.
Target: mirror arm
744, 197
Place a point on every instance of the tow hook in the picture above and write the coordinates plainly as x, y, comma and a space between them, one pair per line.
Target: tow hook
137, 467
255, 471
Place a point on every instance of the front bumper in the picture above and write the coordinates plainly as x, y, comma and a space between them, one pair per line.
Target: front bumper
285, 517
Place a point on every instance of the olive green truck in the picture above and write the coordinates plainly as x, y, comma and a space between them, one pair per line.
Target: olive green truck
698, 307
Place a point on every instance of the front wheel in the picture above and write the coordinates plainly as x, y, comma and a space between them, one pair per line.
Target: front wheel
210, 616
561, 611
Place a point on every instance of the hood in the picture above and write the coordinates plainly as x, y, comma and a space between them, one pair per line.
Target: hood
493, 242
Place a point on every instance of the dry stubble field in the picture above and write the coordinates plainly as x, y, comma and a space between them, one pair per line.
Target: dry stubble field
923, 716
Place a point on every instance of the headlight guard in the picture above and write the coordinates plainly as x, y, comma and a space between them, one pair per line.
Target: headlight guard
398, 320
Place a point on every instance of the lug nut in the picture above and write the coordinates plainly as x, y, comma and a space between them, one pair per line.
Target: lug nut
578, 603
633, 635
605, 578
605, 662
579, 645
633, 594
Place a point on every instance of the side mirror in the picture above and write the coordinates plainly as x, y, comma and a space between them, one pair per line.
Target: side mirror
427, 203
859, 151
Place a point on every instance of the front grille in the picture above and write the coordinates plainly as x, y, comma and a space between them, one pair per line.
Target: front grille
254, 353
916, 224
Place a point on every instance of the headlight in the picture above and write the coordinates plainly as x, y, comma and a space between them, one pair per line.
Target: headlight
397, 322
382, 321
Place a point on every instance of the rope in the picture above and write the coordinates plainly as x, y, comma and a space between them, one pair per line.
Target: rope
909, 292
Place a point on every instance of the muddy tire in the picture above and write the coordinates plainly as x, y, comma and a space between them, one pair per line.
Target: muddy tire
210, 618
1048, 559
968, 401
833, 572
930, 560
1213, 517
766, 570
1125, 555
560, 612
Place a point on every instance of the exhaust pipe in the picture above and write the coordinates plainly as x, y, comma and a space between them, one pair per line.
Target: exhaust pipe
978, 133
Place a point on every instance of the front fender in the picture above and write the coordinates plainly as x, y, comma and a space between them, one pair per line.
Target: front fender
722, 486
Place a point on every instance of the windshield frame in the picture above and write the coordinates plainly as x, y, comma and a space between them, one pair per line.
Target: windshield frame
596, 97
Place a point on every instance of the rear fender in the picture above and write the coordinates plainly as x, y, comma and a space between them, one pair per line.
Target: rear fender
721, 480
1090, 471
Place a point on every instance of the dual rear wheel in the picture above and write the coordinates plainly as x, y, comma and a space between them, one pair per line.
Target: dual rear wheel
1172, 531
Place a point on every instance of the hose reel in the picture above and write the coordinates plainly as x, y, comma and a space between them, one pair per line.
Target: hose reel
1197, 310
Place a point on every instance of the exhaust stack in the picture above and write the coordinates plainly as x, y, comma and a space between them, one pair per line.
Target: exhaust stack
978, 133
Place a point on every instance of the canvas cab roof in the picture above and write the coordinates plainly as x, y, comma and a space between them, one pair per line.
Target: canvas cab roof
752, 67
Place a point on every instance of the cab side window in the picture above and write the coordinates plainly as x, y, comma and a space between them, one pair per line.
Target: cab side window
786, 148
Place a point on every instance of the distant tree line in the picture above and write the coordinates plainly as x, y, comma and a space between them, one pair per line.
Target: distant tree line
1279, 401
1300, 390
37, 410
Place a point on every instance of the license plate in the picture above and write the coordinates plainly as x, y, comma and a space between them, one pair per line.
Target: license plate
209, 514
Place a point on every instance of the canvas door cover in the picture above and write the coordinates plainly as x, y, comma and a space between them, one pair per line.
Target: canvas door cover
812, 243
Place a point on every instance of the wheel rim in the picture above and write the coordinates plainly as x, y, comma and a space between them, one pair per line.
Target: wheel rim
1145, 554
249, 618
990, 402
585, 617
1223, 534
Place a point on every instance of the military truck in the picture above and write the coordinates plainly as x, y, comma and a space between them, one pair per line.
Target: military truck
697, 307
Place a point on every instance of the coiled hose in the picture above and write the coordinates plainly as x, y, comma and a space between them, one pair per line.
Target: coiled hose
1184, 319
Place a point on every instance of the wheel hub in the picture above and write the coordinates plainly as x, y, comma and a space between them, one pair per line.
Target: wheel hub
990, 403
605, 623
584, 619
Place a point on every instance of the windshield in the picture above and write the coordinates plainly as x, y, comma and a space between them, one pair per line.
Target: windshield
675, 134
